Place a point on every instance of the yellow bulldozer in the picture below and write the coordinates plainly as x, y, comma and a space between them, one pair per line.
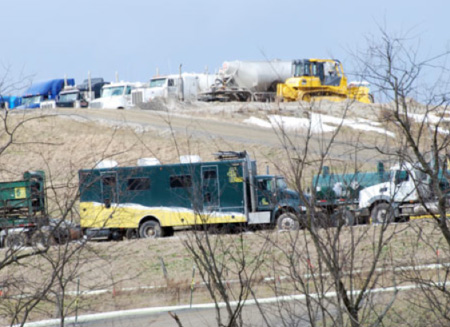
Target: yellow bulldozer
318, 79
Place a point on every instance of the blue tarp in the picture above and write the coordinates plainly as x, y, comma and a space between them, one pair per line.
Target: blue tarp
49, 88
12, 101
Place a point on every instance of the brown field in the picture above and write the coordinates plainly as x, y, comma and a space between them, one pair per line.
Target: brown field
61, 142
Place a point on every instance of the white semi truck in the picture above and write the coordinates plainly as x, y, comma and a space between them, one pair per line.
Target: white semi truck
184, 87
115, 96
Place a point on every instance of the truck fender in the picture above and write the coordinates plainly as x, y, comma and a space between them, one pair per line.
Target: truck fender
150, 227
279, 210
147, 218
377, 199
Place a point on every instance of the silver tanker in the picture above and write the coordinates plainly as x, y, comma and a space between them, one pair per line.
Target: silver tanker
248, 80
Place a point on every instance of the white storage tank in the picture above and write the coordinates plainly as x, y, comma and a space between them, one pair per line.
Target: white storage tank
148, 162
257, 76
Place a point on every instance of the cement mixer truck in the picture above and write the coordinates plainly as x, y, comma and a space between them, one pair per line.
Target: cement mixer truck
400, 194
248, 81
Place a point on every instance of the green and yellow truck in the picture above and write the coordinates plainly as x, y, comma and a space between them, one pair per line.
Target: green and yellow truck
153, 201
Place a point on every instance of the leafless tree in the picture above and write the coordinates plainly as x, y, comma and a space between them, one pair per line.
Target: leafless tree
416, 87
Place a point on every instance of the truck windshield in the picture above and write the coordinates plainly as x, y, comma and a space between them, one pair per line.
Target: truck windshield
157, 82
112, 91
67, 97
32, 100
281, 183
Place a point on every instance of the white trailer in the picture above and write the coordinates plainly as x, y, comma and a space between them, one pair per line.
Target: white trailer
248, 80
184, 87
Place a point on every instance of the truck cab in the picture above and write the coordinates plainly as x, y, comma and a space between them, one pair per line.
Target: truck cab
40, 92
407, 185
114, 96
272, 193
80, 95
163, 87
71, 98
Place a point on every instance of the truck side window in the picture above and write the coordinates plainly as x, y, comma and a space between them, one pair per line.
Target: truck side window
138, 184
262, 185
109, 181
265, 185
170, 82
209, 174
401, 176
180, 181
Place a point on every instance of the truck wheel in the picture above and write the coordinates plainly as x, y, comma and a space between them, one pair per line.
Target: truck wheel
150, 229
382, 213
131, 234
343, 218
168, 231
288, 221
42, 239
15, 241
61, 235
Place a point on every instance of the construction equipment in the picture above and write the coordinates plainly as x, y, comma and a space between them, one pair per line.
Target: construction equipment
402, 193
321, 79
247, 81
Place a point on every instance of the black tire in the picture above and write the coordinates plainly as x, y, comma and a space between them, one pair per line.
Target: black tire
150, 229
131, 234
15, 241
168, 231
61, 235
343, 218
42, 238
288, 221
322, 220
382, 213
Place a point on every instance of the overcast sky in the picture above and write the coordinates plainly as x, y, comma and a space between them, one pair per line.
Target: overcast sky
49, 38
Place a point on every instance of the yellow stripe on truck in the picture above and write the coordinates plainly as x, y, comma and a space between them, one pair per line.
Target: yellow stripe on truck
426, 217
96, 215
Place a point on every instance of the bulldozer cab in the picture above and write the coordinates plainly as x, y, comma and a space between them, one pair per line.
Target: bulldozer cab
327, 71
317, 79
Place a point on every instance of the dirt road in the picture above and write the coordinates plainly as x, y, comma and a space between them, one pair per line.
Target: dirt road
220, 130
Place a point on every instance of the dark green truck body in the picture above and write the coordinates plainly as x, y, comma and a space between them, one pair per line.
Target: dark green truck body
23, 203
117, 201
334, 190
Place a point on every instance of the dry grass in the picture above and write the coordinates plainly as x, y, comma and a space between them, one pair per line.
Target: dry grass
61, 146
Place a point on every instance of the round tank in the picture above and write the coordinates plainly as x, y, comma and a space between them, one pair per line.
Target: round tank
257, 76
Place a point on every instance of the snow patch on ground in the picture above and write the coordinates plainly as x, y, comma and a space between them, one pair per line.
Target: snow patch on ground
318, 123
428, 118
364, 125
258, 122
295, 124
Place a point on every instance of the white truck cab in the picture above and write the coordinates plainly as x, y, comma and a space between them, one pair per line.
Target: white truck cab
407, 185
184, 87
114, 96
